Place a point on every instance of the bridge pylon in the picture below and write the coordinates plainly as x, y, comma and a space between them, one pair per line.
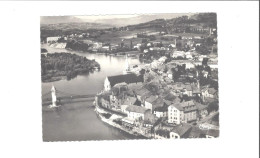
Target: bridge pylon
54, 97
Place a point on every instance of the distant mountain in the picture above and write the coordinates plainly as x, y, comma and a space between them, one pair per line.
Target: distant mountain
60, 19
197, 23
119, 22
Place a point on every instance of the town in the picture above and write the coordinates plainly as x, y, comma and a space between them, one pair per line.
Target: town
173, 93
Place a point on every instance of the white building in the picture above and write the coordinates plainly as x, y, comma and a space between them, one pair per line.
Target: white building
175, 114
135, 112
182, 112
52, 39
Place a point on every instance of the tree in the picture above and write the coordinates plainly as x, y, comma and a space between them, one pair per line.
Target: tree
213, 106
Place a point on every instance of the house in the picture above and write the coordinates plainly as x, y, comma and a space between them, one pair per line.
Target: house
209, 93
128, 122
212, 133
146, 50
159, 102
189, 65
187, 90
175, 113
177, 54
52, 39
141, 92
123, 108
148, 103
182, 112
161, 134
169, 73
105, 102
149, 119
105, 48
129, 101
110, 81
202, 110
161, 111
97, 45
116, 100
180, 131
196, 132
135, 112
213, 65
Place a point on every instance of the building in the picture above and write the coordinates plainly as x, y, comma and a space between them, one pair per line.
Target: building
212, 133
110, 81
196, 132
149, 119
141, 92
52, 39
135, 112
161, 134
202, 110
180, 131
148, 103
182, 112
161, 111
209, 93
97, 45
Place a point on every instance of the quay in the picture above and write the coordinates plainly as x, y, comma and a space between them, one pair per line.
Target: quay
110, 122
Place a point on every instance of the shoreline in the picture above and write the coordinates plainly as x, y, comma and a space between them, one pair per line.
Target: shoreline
98, 111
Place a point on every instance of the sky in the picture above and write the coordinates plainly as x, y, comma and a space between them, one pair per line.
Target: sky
99, 17
115, 20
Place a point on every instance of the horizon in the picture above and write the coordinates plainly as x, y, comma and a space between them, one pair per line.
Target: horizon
118, 19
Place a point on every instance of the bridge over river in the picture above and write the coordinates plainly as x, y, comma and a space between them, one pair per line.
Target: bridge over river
56, 97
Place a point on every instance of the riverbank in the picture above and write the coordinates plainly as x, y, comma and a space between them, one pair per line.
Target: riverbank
99, 111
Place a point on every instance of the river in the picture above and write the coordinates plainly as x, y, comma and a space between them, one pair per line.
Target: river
78, 121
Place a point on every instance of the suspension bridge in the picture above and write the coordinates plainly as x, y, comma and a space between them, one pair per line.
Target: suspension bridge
55, 97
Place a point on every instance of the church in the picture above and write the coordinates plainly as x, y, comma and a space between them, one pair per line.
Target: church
111, 81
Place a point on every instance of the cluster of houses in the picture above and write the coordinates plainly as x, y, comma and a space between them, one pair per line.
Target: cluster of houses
157, 105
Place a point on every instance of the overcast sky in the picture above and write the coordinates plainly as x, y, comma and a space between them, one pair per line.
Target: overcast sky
116, 20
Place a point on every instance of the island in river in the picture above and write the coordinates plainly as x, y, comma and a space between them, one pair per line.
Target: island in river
57, 66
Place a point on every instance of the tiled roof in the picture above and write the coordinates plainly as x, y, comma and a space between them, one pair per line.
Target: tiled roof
212, 91
196, 132
158, 103
130, 101
213, 132
128, 78
177, 106
187, 103
137, 109
149, 118
181, 129
195, 89
200, 106
151, 99
141, 91
163, 108
188, 87
146, 95
163, 133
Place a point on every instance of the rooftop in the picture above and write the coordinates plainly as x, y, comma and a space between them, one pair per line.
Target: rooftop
212, 91
213, 132
128, 78
136, 109
181, 129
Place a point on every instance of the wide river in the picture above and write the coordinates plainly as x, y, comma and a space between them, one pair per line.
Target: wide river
77, 121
